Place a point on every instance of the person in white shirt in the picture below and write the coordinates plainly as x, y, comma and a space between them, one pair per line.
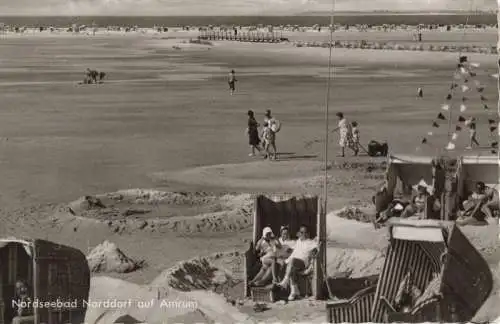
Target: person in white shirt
270, 120
299, 261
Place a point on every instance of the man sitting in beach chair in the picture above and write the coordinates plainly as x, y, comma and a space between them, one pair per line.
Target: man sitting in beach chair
481, 206
300, 262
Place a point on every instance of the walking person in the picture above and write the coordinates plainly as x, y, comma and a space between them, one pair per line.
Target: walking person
275, 127
471, 124
420, 93
268, 138
232, 82
355, 137
345, 131
253, 133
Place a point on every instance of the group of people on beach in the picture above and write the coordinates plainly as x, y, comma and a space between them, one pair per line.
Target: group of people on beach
266, 138
283, 259
349, 135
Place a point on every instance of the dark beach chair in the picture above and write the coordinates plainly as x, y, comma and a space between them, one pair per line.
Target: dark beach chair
293, 212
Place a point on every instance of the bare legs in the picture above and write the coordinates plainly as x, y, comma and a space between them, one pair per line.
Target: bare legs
292, 269
488, 208
253, 148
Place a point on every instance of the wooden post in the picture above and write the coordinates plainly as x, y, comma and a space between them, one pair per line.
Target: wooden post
320, 269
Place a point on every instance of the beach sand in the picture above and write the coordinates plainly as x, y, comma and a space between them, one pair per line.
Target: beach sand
164, 119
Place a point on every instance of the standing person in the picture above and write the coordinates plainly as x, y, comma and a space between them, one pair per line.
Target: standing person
471, 123
253, 133
355, 137
268, 137
420, 92
344, 127
274, 126
232, 82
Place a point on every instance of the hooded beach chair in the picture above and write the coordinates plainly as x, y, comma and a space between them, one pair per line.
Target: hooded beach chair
452, 277
292, 212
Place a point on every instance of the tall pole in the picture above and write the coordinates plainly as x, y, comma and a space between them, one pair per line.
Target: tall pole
498, 90
327, 130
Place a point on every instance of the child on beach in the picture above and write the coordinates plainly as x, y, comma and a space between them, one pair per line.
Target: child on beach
355, 137
471, 123
268, 140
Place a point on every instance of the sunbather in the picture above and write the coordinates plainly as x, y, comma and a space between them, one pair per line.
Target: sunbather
300, 261
283, 253
417, 204
266, 250
480, 206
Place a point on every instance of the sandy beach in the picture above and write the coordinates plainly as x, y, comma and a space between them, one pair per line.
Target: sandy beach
163, 121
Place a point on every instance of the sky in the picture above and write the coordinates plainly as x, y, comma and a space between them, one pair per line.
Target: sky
225, 7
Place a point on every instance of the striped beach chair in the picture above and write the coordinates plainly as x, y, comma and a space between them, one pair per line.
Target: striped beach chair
451, 274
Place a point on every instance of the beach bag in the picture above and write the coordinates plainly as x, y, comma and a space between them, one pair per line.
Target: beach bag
375, 148
275, 126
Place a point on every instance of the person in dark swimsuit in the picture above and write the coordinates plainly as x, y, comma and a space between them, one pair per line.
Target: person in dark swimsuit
253, 133
232, 82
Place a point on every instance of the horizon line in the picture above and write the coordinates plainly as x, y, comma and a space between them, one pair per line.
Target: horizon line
297, 14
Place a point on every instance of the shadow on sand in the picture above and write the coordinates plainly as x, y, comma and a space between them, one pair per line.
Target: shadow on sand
287, 156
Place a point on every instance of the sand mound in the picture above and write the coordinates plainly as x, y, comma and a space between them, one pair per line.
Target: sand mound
356, 213
130, 210
203, 273
355, 262
107, 257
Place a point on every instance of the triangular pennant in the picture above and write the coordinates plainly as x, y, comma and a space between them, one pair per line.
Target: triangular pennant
448, 97
458, 128
450, 146
424, 140
483, 98
434, 124
454, 136
463, 108
491, 121
445, 107
465, 88
493, 128
494, 145
461, 119
441, 116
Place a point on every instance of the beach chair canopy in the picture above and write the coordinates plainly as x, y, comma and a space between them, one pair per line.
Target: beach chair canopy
285, 210
410, 170
480, 168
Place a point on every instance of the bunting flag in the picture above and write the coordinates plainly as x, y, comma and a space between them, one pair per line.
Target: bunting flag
465, 80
